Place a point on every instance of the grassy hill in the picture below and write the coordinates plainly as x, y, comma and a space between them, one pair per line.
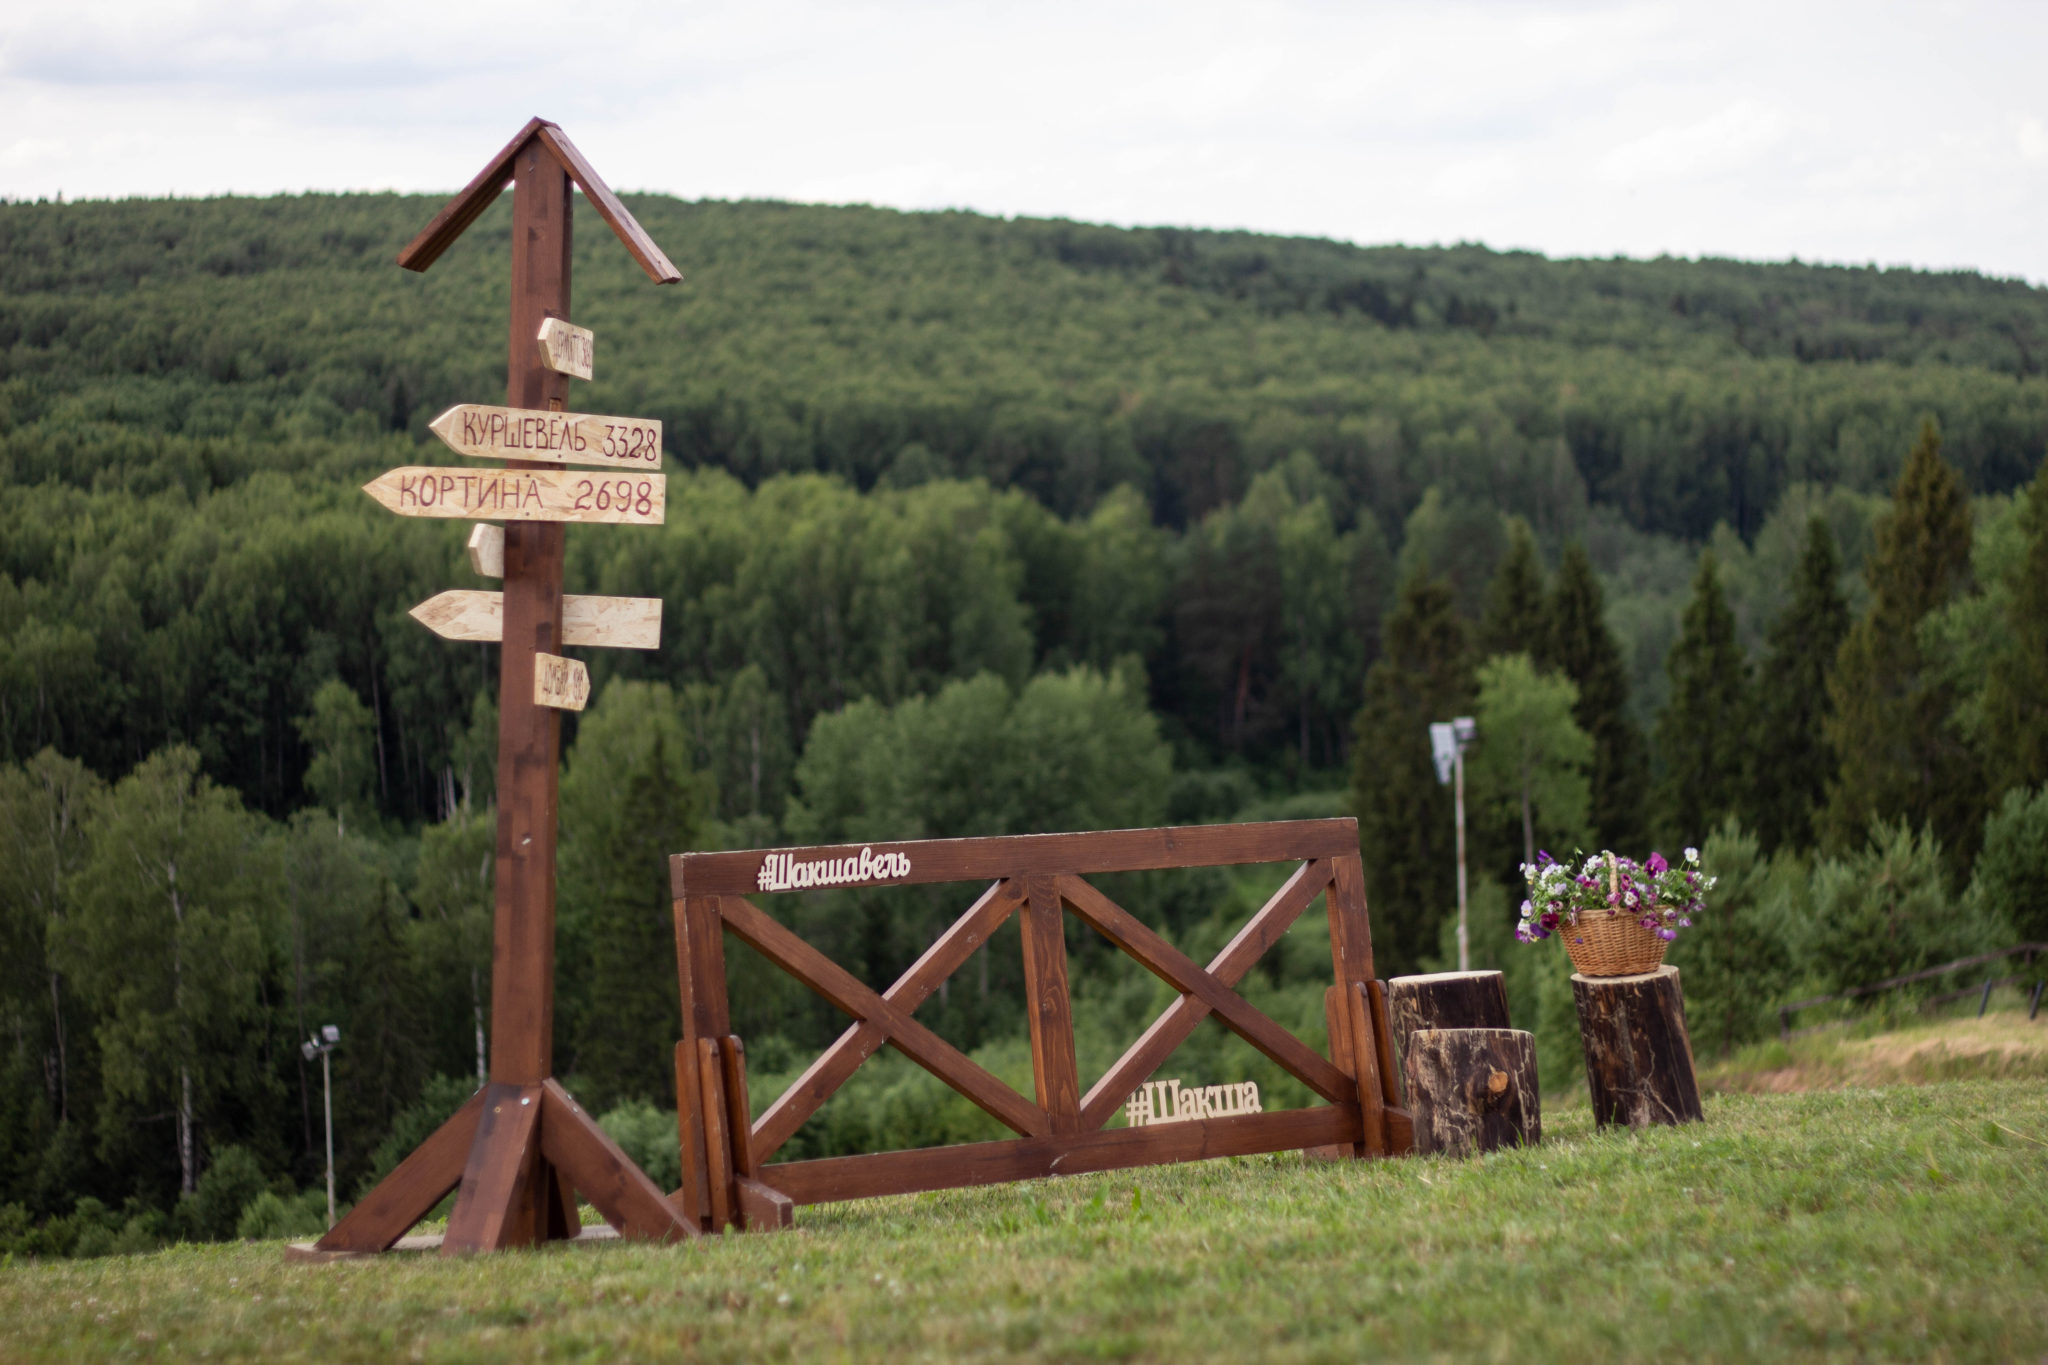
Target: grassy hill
1902, 1224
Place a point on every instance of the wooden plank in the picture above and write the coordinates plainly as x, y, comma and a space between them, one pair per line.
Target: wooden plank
1176, 969
412, 1189
615, 214
493, 1209
486, 554
482, 432
1350, 924
700, 965
717, 1139
764, 1208
1181, 1018
567, 348
965, 860
468, 205
561, 683
861, 1040
1365, 1067
590, 1161
1383, 1039
471, 614
1337, 1019
989, 1163
1047, 1009
739, 1112
906, 1035
520, 494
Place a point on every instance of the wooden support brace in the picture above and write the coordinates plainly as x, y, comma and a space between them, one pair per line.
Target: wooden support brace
760, 1207
717, 1140
496, 1207
585, 1156
410, 1192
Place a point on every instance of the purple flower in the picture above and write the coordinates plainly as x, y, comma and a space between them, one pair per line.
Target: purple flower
1658, 867
1543, 858
1550, 918
1667, 934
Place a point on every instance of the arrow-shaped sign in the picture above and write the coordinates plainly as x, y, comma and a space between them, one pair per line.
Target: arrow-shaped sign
522, 495
489, 433
558, 682
566, 348
604, 622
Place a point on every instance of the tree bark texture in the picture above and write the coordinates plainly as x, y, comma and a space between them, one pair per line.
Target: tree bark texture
1473, 1089
1638, 1054
1445, 1000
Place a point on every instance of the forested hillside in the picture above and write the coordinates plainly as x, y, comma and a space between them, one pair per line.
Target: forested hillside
1206, 524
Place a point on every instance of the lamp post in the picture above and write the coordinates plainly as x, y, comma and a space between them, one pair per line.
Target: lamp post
1447, 742
319, 1045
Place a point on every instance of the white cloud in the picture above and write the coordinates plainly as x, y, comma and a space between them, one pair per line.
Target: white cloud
1830, 130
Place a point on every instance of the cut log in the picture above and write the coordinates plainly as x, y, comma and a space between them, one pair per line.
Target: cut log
1445, 1000
1473, 1089
1638, 1054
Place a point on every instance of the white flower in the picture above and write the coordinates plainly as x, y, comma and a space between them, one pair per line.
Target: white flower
1692, 855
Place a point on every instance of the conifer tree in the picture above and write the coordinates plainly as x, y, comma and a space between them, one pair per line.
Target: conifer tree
1701, 735
1580, 646
1790, 762
1405, 832
1513, 622
1898, 757
2015, 716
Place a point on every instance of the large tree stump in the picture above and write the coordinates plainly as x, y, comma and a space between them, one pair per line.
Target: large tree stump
1638, 1054
1445, 1000
1473, 1089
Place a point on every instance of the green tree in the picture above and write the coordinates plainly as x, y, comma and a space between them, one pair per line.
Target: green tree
1899, 758
450, 937
1789, 761
43, 806
1514, 620
1581, 647
168, 938
1405, 832
1700, 736
2014, 719
1737, 958
2011, 876
1531, 758
629, 799
341, 732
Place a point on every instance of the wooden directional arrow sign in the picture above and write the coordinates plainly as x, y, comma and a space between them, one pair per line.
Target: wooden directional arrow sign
522, 495
557, 437
566, 348
558, 682
605, 622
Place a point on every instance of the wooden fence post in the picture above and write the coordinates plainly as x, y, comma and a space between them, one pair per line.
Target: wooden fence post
1047, 1007
700, 973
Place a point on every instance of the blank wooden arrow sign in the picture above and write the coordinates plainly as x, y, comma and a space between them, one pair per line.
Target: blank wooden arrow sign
522, 495
604, 622
489, 433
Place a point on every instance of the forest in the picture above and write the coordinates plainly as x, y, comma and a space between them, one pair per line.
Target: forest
974, 526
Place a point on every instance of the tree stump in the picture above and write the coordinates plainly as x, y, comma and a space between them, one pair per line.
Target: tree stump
1638, 1054
1473, 1089
1445, 1000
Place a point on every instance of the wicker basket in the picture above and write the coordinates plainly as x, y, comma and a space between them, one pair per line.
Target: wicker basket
1603, 944
1612, 942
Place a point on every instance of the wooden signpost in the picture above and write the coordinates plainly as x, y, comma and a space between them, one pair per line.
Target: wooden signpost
522, 1149
602, 622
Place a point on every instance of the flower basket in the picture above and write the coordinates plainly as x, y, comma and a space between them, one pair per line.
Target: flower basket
1615, 916
1607, 943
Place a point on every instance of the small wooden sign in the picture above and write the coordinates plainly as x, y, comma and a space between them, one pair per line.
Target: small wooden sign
488, 433
561, 683
523, 495
487, 549
566, 348
599, 622
1167, 1102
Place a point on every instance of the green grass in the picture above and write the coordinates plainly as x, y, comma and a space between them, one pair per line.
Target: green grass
1907, 1223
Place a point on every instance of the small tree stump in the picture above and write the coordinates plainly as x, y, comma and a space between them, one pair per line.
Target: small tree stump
1445, 1000
1638, 1054
1473, 1089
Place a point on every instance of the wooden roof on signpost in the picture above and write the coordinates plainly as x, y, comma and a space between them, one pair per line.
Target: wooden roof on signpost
479, 194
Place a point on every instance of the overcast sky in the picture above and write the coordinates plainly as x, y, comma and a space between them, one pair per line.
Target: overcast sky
1895, 133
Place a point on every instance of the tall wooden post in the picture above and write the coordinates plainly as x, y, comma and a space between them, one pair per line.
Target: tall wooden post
523, 1148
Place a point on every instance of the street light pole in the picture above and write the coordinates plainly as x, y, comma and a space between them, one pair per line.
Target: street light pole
1447, 741
327, 1080
320, 1045
1464, 943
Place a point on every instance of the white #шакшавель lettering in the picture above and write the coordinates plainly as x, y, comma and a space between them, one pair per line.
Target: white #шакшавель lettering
781, 871
1167, 1102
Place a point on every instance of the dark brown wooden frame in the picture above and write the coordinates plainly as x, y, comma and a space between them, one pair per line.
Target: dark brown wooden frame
727, 1177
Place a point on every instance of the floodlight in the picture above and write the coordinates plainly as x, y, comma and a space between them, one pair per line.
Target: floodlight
330, 1033
309, 1049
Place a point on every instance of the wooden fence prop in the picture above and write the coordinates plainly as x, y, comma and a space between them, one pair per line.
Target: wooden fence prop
522, 1149
728, 1175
